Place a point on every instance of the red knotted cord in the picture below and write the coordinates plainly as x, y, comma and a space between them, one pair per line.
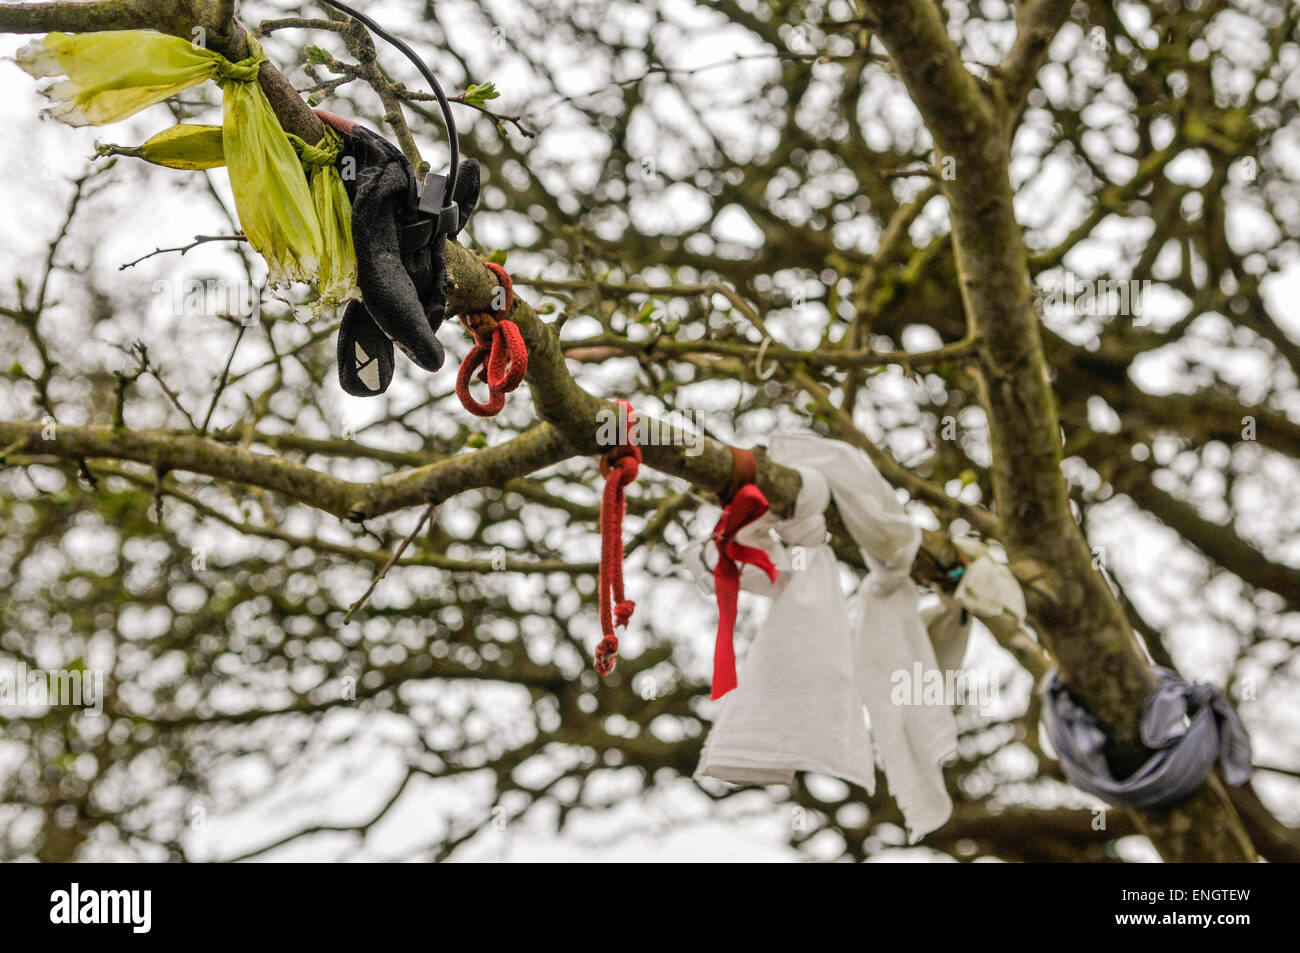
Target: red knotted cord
498, 353
745, 503
619, 468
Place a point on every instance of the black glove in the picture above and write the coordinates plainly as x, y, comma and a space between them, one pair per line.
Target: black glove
400, 266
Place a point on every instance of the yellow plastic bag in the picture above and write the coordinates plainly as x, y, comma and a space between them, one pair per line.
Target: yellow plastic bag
200, 147
185, 146
337, 279
112, 75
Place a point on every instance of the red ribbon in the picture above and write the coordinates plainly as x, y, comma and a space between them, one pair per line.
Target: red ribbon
498, 354
747, 505
619, 468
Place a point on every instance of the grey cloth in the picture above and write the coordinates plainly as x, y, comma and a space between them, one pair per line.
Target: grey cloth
1188, 728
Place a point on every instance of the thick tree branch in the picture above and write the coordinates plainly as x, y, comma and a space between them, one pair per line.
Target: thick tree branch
1219, 543
493, 467
1037, 24
1083, 625
956, 111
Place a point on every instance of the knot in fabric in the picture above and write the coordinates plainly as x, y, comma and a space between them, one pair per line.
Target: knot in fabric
243, 71
807, 527
322, 155
481, 324
1187, 727
624, 462
883, 579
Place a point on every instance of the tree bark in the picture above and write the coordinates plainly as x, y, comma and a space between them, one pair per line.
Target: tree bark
1078, 617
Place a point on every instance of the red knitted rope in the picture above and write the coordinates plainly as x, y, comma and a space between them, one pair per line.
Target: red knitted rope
619, 468
498, 354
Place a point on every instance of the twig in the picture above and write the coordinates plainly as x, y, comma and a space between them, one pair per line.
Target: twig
140, 352
908, 173
198, 240
658, 69
361, 45
159, 477
16, 445
124, 380
397, 554
267, 27
221, 384
501, 119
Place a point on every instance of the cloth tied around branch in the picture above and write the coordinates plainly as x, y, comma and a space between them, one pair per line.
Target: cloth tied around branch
987, 589
1188, 727
797, 707
298, 227
819, 645
746, 505
619, 467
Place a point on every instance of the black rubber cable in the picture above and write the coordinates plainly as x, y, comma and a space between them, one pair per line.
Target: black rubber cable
453, 172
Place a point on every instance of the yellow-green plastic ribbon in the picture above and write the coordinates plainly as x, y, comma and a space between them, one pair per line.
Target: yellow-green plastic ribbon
271, 193
112, 75
200, 147
185, 146
337, 279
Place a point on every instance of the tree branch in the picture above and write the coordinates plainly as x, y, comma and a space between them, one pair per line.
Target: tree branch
1037, 23
533, 450
1082, 624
